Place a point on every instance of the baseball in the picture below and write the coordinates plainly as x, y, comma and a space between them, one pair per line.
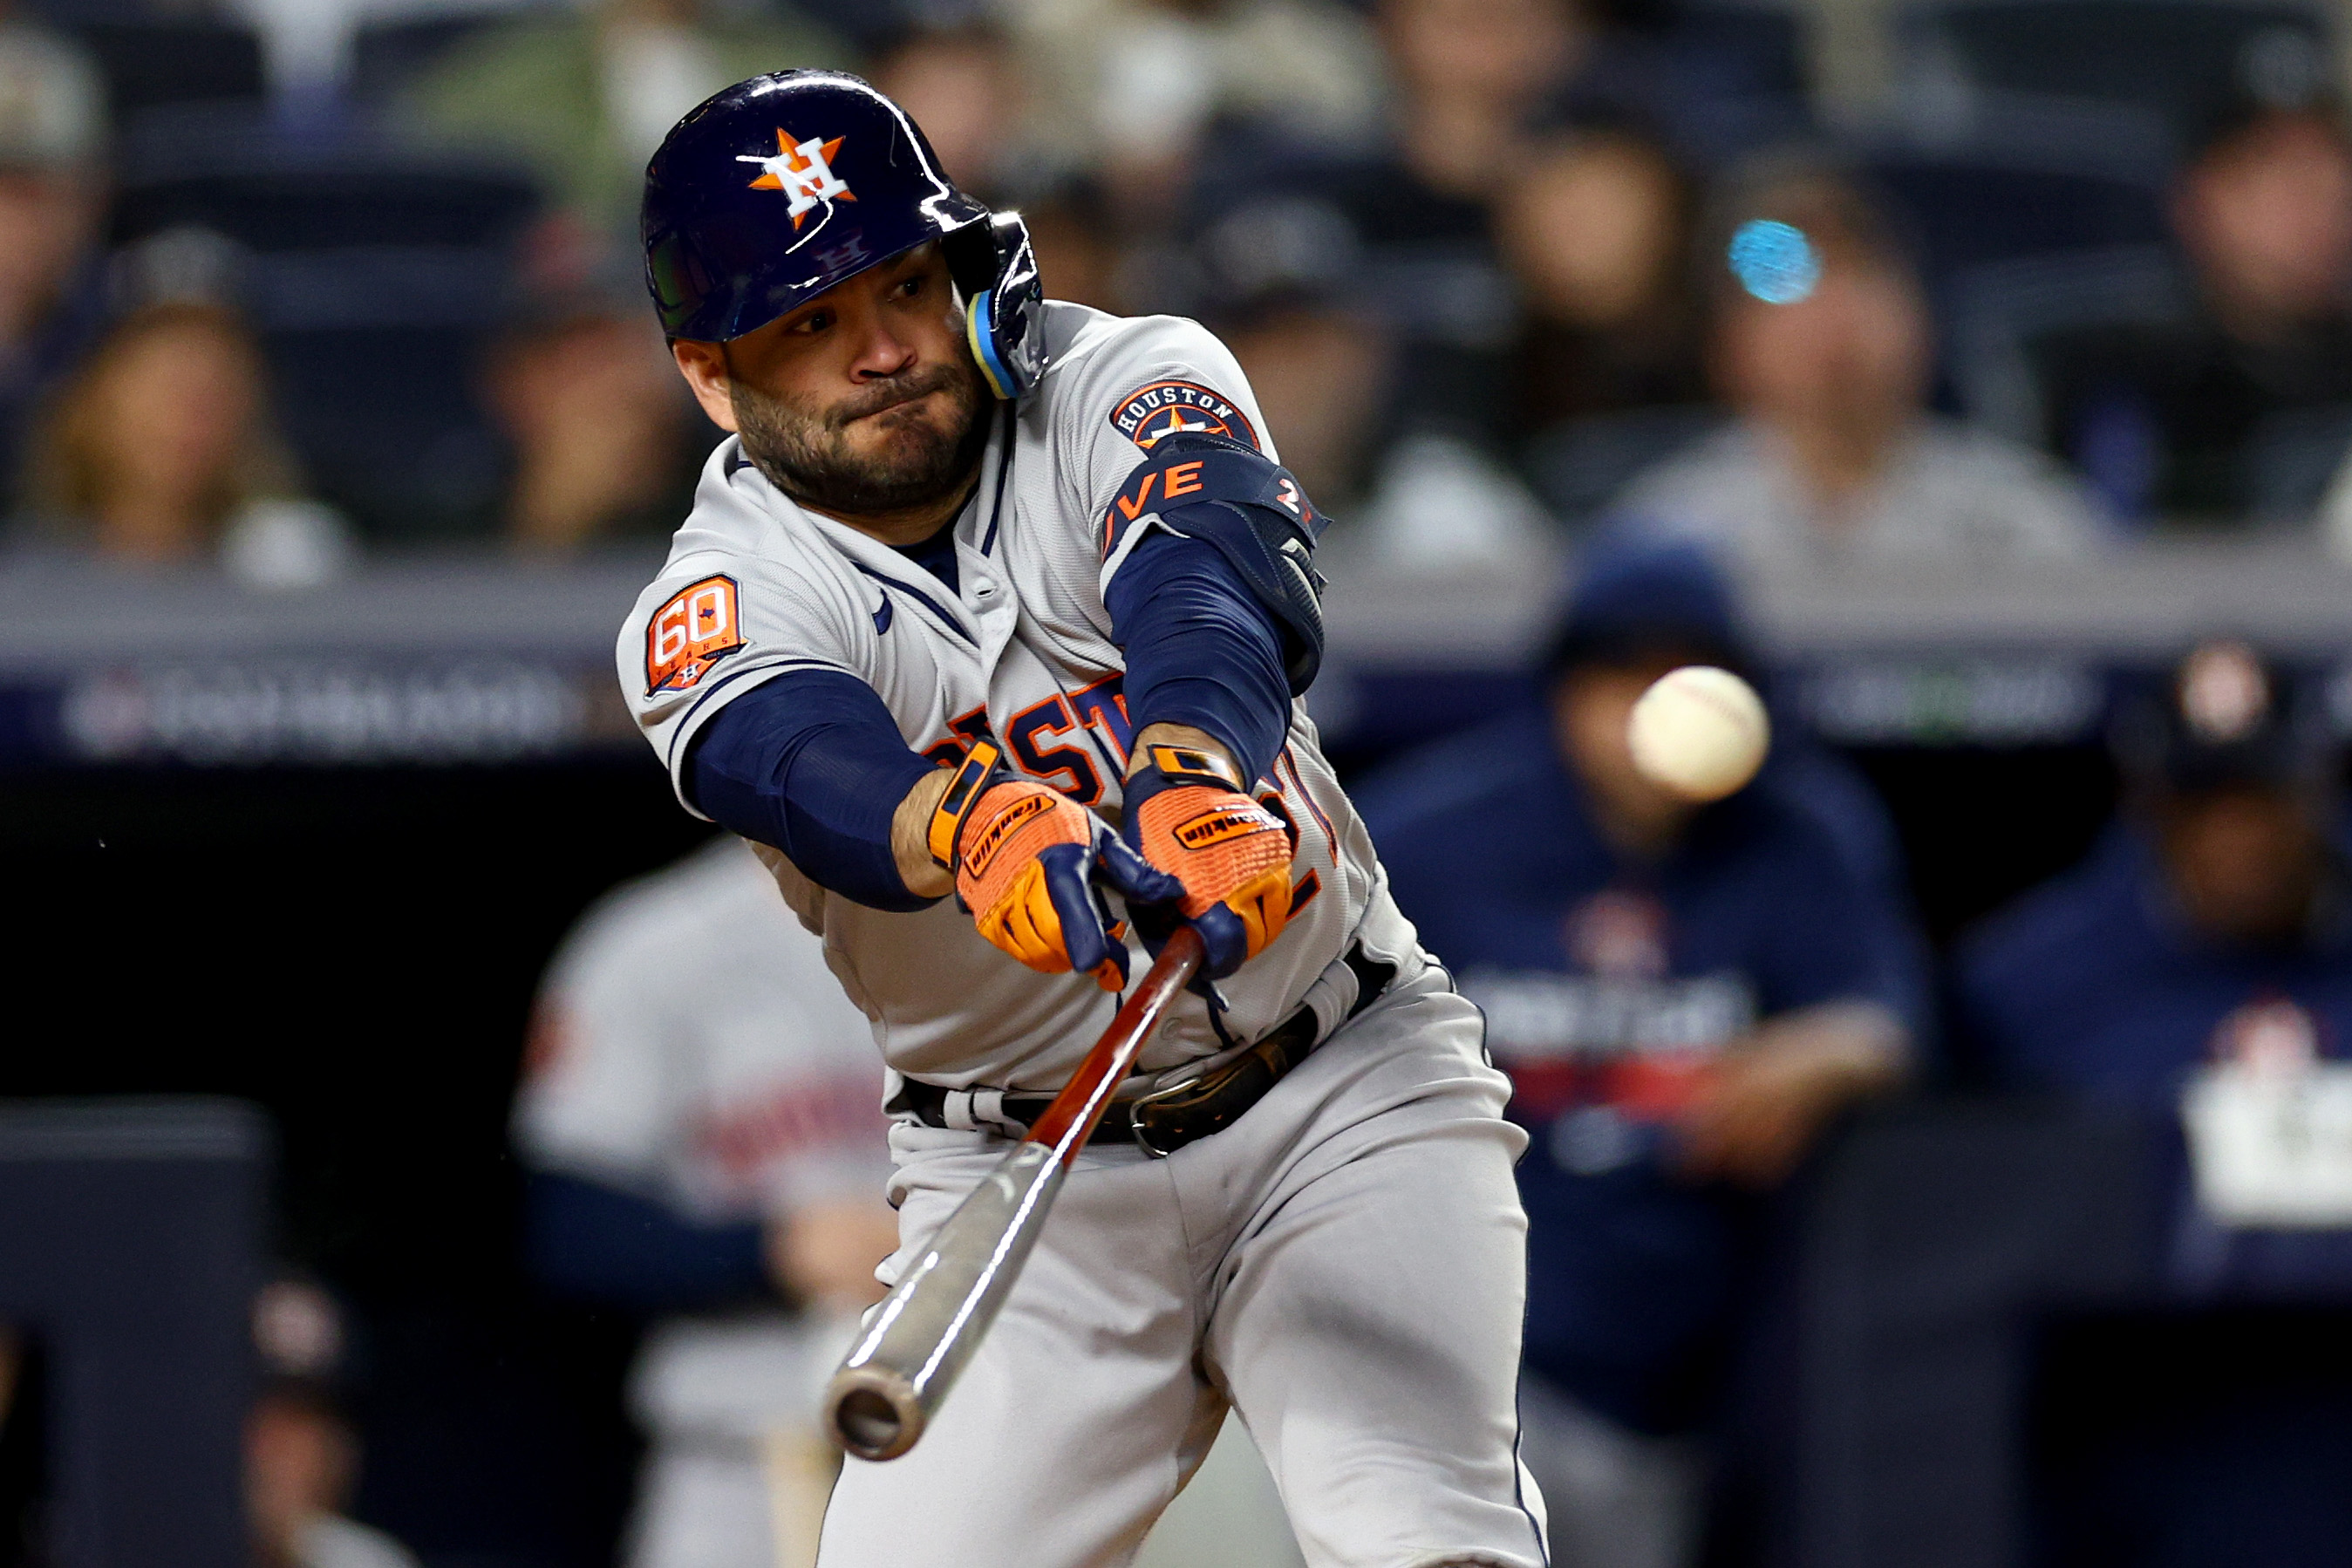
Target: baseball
1699, 733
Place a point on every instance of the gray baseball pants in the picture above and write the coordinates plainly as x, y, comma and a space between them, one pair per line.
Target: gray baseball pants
1344, 1268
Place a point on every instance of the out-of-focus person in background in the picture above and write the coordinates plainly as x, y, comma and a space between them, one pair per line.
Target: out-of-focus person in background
1820, 345
702, 1119
2196, 971
582, 99
959, 81
1467, 79
2180, 419
1596, 228
301, 1455
1685, 997
2210, 922
605, 443
52, 193
1279, 285
162, 449
1134, 88
1076, 242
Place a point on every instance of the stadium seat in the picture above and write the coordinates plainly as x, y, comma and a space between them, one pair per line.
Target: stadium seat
2002, 311
387, 54
2177, 60
1971, 209
152, 64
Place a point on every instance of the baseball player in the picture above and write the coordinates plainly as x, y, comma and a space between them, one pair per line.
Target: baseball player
700, 1122
988, 625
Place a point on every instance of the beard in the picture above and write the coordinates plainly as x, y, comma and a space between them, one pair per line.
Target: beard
804, 449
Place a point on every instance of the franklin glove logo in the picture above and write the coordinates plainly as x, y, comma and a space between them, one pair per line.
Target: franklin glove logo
1220, 823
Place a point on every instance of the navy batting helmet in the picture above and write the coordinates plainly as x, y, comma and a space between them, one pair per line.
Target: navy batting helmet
773, 191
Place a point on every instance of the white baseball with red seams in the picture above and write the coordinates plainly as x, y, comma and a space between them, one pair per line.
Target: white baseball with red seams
1699, 733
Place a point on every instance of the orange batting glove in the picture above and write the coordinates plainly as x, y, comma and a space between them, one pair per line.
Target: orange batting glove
1188, 815
1027, 860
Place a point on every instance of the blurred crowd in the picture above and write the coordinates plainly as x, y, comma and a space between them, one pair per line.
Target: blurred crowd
286, 284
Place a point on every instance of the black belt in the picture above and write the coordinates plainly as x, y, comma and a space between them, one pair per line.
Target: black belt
1165, 1120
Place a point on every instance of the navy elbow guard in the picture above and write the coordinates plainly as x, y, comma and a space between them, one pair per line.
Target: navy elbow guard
1234, 497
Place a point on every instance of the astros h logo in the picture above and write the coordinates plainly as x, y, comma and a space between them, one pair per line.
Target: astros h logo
802, 171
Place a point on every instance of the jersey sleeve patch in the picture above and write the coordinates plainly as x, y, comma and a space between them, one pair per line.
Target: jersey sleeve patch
693, 631
1190, 471
1168, 408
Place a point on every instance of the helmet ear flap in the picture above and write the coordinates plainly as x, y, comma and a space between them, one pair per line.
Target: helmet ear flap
995, 267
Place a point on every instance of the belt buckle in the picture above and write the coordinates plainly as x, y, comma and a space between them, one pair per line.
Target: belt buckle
1192, 1108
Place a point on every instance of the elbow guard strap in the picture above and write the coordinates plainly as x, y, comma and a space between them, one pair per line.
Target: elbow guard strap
1251, 510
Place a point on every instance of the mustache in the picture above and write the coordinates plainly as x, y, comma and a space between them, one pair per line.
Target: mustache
890, 392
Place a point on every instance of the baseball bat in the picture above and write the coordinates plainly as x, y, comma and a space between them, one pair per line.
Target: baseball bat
907, 1357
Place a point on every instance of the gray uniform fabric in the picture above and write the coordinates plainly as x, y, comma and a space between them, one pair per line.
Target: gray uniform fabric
1344, 1267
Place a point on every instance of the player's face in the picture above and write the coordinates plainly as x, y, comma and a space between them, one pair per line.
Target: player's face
863, 402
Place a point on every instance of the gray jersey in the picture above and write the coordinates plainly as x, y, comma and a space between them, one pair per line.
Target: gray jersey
757, 586
690, 1047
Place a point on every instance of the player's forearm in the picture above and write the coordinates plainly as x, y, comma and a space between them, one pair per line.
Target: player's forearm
811, 763
910, 837
1175, 735
1202, 653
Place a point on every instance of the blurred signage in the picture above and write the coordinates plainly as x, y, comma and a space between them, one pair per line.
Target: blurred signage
2272, 1146
1988, 702
347, 713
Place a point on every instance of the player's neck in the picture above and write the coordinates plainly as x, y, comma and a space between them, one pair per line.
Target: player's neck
907, 525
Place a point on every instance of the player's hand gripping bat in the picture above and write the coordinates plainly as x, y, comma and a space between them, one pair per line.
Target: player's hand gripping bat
924, 1332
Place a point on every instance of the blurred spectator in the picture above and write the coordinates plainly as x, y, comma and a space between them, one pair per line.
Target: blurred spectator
302, 1456
52, 136
1279, 286
1466, 76
162, 449
1469, 75
1596, 229
2189, 419
961, 84
2210, 920
2196, 971
1684, 998
583, 98
702, 1115
605, 443
1820, 345
1076, 244
1131, 89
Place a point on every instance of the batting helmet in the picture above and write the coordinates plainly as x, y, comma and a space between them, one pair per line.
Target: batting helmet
777, 189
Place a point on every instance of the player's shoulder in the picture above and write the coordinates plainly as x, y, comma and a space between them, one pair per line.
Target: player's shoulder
746, 558
737, 512
1137, 374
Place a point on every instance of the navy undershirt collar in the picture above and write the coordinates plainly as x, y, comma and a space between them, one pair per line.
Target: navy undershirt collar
937, 554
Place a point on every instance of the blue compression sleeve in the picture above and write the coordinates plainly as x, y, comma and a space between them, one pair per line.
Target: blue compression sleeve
810, 761
601, 1243
1201, 649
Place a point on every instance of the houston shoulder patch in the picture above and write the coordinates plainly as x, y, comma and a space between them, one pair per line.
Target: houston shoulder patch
1167, 407
699, 626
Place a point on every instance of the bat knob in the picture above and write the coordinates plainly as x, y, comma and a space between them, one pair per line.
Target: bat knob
871, 1413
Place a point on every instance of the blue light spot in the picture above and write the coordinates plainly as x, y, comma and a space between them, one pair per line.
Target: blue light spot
1775, 261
